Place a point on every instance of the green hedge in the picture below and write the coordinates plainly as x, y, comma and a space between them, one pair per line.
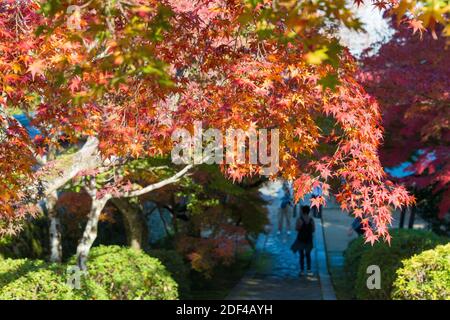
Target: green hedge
127, 274
352, 258
23, 279
425, 276
113, 273
405, 243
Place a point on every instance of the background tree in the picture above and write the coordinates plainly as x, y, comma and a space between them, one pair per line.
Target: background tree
213, 219
410, 78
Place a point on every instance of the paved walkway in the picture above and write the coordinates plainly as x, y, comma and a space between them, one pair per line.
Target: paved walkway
274, 273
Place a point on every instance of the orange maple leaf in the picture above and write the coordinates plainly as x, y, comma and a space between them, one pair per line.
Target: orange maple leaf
417, 25
37, 67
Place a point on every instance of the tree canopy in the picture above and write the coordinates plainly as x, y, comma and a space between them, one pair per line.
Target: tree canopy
118, 77
413, 92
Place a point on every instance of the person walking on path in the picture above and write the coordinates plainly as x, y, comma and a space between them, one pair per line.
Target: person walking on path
304, 241
283, 213
317, 192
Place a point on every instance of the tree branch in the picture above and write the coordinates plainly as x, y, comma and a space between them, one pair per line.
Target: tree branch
158, 185
66, 168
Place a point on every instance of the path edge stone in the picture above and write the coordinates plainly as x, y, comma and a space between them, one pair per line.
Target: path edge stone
326, 285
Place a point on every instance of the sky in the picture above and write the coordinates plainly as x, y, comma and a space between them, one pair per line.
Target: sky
376, 26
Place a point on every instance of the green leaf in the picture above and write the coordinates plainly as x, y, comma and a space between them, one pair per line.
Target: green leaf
331, 80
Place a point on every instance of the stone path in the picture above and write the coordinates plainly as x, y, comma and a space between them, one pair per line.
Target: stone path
274, 273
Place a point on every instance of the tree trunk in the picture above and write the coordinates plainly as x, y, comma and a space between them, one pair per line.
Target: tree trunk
402, 218
54, 228
412, 216
90, 232
135, 224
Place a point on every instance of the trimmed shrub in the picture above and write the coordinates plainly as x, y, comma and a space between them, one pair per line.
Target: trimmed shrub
178, 268
352, 258
113, 273
425, 276
405, 243
23, 279
123, 273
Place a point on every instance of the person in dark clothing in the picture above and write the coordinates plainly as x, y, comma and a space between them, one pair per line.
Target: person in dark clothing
304, 242
356, 227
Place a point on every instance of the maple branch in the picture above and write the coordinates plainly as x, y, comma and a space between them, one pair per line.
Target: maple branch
158, 185
87, 158
175, 178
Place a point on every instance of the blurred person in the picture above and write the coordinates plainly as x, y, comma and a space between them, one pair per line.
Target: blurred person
304, 242
317, 192
283, 212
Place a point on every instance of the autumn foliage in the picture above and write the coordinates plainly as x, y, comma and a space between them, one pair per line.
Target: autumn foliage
409, 76
130, 73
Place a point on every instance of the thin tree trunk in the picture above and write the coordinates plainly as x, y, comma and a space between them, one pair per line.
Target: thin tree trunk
161, 216
402, 218
135, 224
54, 228
412, 216
91, 229
90, 233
